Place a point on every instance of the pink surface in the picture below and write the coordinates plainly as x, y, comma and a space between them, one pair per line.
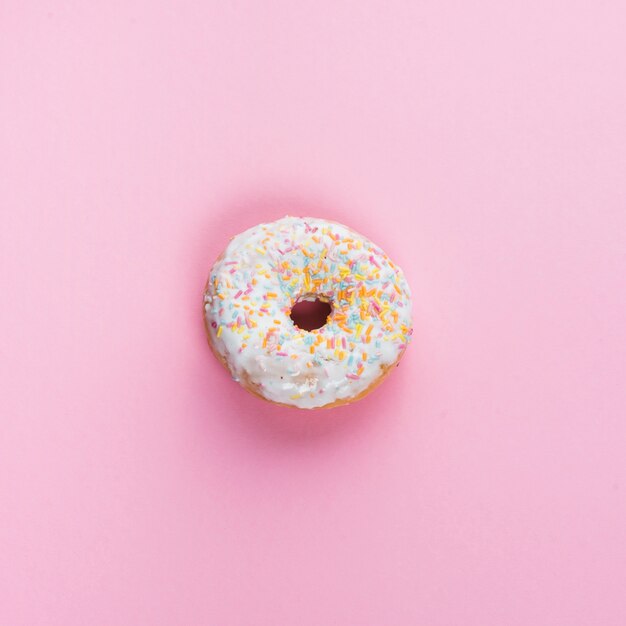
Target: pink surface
482, 145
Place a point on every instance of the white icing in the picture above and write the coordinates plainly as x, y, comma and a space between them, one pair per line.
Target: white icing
298, 258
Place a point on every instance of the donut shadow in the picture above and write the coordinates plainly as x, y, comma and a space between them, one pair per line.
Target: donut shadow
237, 408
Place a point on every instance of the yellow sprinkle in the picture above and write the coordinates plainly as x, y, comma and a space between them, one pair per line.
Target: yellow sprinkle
219, 331
276, 321
260, 250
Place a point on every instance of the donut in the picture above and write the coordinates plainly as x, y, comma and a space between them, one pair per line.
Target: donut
265, 271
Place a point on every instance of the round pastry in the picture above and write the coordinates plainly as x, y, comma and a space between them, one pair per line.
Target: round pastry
268, 270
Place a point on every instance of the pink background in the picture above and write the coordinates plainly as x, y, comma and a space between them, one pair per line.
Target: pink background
482, 144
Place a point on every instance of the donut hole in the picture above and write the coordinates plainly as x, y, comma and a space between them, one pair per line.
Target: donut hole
310, 314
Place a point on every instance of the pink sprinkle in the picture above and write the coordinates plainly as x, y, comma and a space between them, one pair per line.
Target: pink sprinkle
393, 297
230, 263
376, 307
386, 284
332, 342
238, 294
373, 260
247, 291
248, 322
353, 376
343, 342
233, 270
282, 354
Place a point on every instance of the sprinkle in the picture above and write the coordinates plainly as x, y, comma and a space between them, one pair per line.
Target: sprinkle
352, 376
260, 250
219, 330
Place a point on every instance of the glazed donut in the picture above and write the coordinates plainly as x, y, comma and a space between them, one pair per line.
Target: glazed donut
265, 271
